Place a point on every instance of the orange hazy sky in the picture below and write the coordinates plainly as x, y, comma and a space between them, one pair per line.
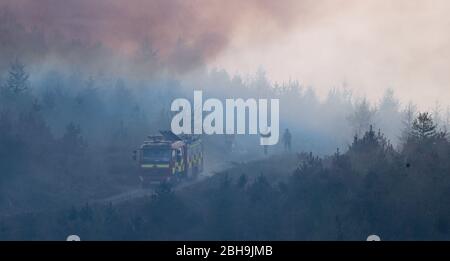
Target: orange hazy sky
368, 45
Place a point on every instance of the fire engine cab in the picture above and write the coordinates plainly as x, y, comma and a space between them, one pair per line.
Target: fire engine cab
169, 158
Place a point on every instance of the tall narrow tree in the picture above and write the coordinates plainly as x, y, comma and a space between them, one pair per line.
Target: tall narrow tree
17, 81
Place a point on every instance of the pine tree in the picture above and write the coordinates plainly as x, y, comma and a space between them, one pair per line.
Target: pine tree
362, 117
17, 81
423, 127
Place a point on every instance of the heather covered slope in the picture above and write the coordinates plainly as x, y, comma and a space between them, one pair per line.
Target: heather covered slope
368, 189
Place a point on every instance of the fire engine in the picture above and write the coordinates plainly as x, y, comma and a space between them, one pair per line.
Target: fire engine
169, 158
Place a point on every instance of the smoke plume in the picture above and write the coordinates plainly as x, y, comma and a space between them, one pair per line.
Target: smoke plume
177, 33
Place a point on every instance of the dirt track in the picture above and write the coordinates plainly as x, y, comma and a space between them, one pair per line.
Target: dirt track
141, 192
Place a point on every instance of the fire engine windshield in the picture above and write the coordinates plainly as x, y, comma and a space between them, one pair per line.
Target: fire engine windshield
160, 154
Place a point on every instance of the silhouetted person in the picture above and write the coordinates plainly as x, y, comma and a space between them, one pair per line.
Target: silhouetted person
287, 140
